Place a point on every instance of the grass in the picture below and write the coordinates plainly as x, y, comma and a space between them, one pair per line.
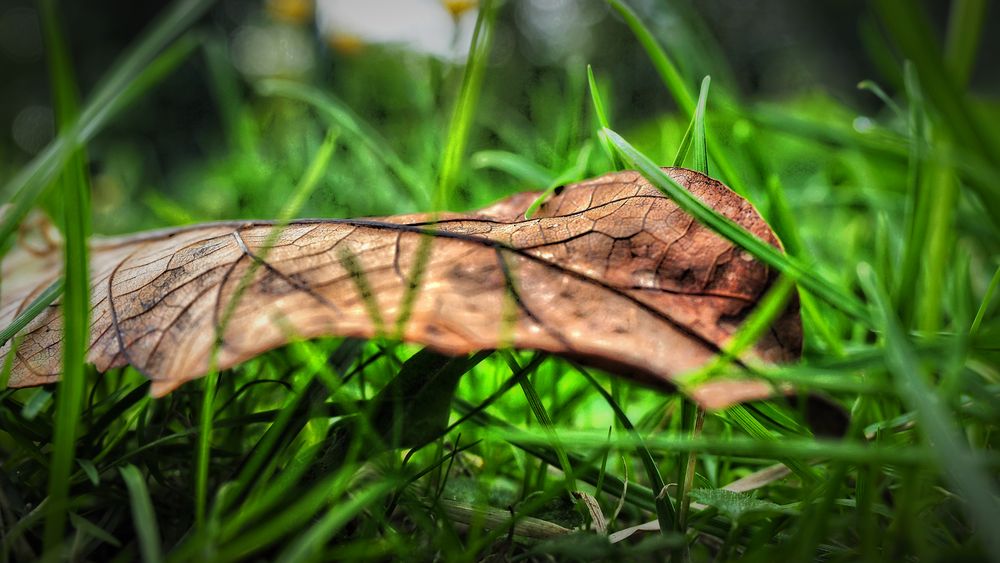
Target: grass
74, 192
369, 450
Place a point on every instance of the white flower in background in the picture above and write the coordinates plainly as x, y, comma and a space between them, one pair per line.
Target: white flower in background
438, 28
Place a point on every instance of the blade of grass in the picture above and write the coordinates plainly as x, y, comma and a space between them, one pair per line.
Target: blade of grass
454, 151
743, 418
35, 308
984, 306
699, 140
277, 490
8, 363
341, 116
930, 207
308, 546
664, 66
677, 87
38, 401
965, 29
349, 261
738, 235
665, 513
697, 121
526, 370
917, 210
942, 201
874, 88
759, 321
685, 147
599, 487
465, 108
910, 27
768, 309
307, 184
950, 451
745, 447
155, 71
602, 119
692, 420
75, 197
571, 174
143, 515
303, 507
786, 227
538, 409
93, 530
516, 165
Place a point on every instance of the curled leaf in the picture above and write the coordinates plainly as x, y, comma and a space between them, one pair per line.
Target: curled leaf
608, 271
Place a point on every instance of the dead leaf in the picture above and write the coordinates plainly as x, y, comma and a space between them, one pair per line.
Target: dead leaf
609, 271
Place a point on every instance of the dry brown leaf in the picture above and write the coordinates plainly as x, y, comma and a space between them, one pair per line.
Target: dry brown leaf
609, 271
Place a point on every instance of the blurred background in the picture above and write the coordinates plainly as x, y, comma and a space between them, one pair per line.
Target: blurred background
205, 144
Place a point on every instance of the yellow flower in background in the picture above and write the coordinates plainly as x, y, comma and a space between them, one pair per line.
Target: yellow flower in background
459, 7
345, 43
290, 11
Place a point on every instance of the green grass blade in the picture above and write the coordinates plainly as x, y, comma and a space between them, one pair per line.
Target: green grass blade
917, 210
984, 306
932, 195
677, 87
538, 409
38, 401
93, 530
874, 88
911, 29
298, 512
692, 421
685, 147
459, 129
526, 370
602, 119
307, 184
746, 420
349, 261
740, 446
203, 448
154, 72
571, 174
786, 226
33, 309
309, 545
664, 66
965, 30
75, 202
738, 235
417, 193
516, 165
951, 451
143, 515
768, 309
692, 135
465, 108
942, 201
665, 513
699, 141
